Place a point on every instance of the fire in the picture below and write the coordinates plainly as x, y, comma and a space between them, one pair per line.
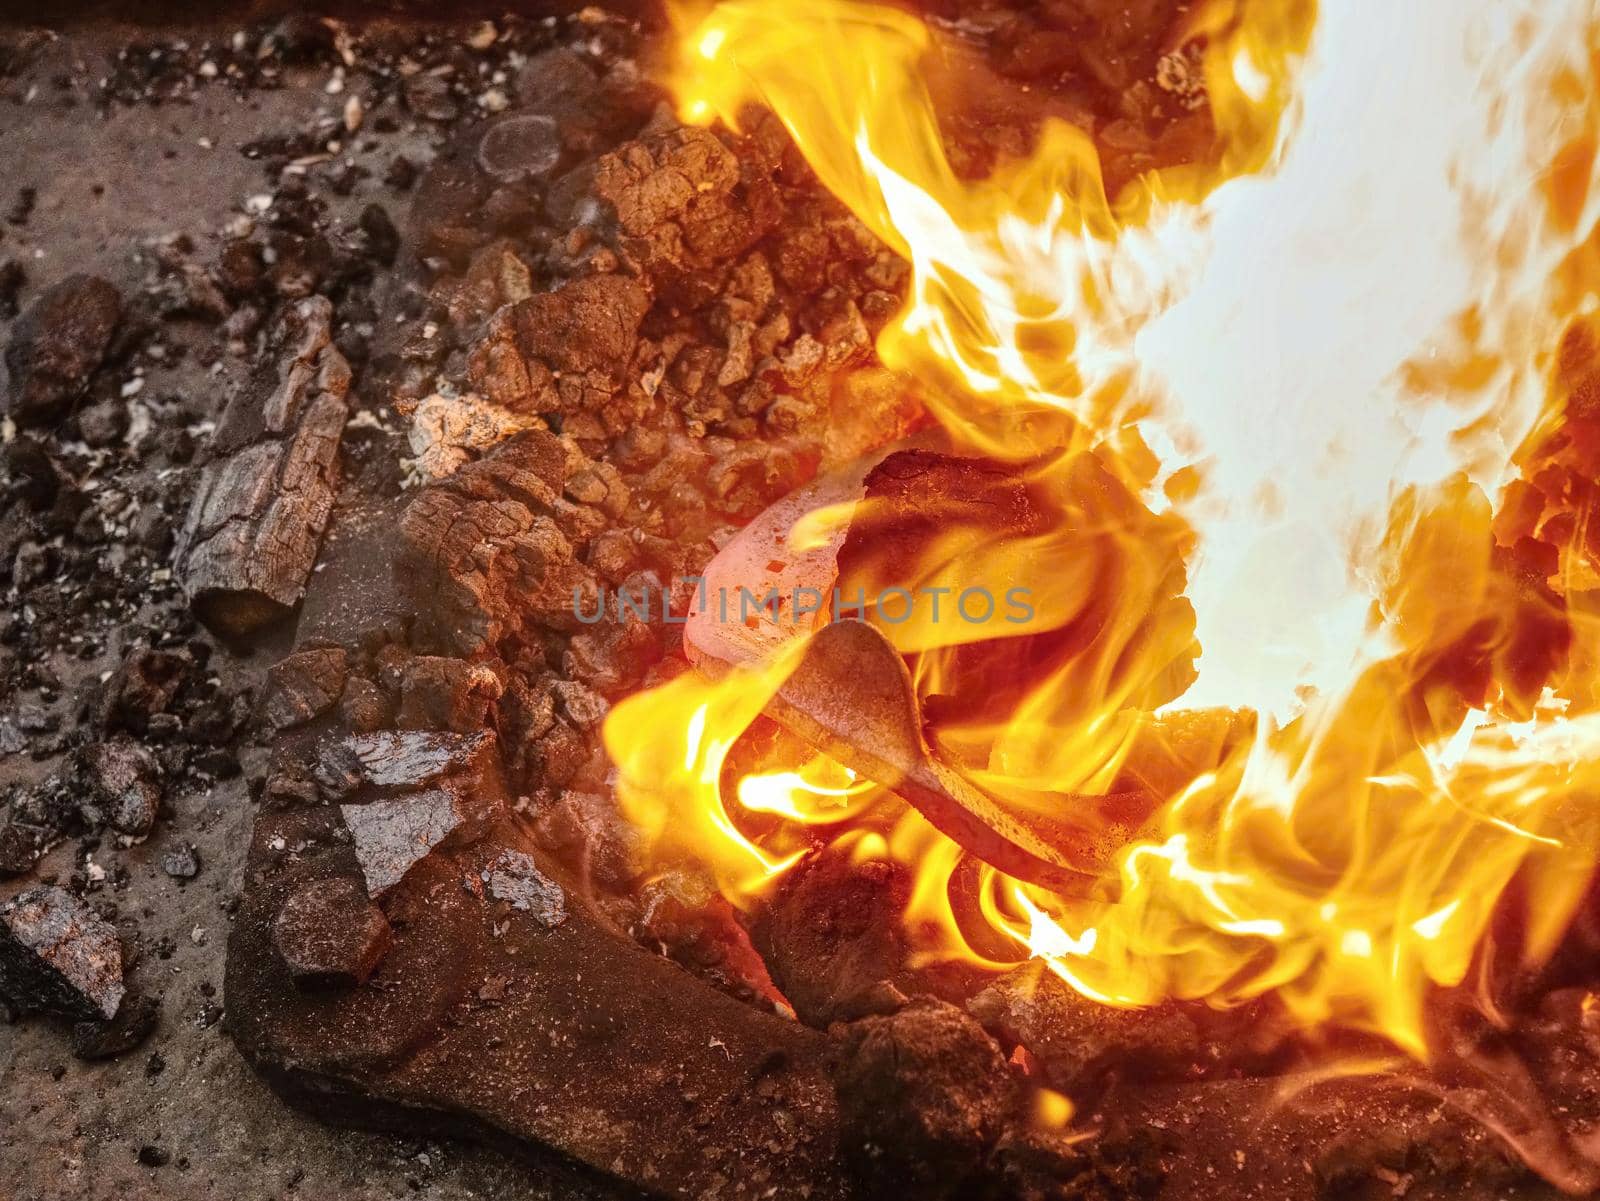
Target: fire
1315, 363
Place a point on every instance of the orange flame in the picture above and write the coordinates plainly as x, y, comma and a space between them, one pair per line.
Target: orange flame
1326, 350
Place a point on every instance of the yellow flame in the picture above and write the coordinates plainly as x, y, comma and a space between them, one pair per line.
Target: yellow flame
1324, 352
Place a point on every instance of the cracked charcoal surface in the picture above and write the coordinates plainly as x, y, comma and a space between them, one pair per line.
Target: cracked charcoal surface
263, 500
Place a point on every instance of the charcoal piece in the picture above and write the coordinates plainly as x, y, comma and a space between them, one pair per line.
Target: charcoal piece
304, 686
12, 276
923, 1094
450, 694
513, 877
615, 656
1078, 1042
330, 934
57, 956
143, 687
20, 847
833, 939
122, 783
483, 556
585, 827
264, 496
299, 37
101, 425
30, 473
444, 213
56, 347
428, 96
587, 324
363, 707
557, 84
413, 758
392, 837
527, 146
182, 862
686, 204
134, 1023
383, 239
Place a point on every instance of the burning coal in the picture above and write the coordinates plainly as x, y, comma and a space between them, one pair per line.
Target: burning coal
1313, 647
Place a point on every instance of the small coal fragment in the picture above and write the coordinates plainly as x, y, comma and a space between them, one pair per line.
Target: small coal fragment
1077, 1042
383, 239
143, 687
182, 862
103, 424
585, 827
30, 473
923, 1094
57, 345
444, 210
428, 96
513, 877
57, 956
299, 37
305, 685
12, 276
364, 707
330, 934
135, 1022
558, 84
443, 693
20, 847
122, 782
520, 147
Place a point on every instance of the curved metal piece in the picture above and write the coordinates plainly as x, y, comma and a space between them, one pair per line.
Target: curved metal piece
851, 695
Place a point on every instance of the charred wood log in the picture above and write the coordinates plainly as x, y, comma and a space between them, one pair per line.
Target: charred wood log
263, 500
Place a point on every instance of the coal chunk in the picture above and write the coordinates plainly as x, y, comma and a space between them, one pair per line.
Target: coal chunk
923, 1093
57, 956
1077, 1042
484, 557
143, 687
305, 685
122, 783
588, 324
57, 345
443, 693
330, 934
182, 862
20, 847
833, 938
513, 877
135, 1022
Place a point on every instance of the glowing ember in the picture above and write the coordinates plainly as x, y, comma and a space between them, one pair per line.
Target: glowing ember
1319, 357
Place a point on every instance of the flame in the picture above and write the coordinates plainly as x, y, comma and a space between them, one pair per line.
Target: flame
1319, 366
